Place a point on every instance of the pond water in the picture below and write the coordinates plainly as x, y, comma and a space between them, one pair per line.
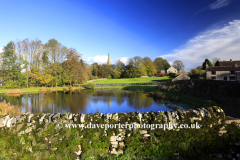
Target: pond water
89, 102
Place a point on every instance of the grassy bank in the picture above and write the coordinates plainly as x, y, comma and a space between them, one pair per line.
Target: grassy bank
122, 80
135, 80
36, 89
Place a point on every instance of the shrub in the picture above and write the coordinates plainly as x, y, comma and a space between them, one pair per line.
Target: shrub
89, 86
157, 74
7, 109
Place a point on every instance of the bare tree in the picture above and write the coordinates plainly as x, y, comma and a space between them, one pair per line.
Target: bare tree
56, 51
31, 51
178, 65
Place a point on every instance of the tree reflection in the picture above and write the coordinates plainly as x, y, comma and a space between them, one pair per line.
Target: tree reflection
77, 101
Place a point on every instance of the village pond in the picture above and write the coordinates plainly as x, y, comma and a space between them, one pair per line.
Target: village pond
82, 101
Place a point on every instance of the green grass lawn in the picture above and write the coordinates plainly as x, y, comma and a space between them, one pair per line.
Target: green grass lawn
135, 80
36, 89
144, 88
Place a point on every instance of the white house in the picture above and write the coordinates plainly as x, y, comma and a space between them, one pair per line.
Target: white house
171, 70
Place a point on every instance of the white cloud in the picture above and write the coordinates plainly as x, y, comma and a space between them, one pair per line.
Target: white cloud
97, 59
222, 43
216, 5
124, 60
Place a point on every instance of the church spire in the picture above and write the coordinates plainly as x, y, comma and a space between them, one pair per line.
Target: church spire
108, 62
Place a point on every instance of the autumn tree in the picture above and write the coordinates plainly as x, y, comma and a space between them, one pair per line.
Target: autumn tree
56, 72
70, 66
45, 78
119, 69
105, 71
83, 72
140, 66
74, 69
149, 65
34, 75
94, 69
161, 63
130, 69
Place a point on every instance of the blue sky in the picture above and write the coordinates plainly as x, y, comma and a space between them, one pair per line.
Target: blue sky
186, 30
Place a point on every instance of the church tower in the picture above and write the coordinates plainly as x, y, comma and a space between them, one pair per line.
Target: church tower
108, 62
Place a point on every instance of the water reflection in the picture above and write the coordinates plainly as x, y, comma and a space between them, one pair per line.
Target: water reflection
87, 102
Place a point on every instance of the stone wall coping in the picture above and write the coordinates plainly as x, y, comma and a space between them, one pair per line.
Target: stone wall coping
177, 116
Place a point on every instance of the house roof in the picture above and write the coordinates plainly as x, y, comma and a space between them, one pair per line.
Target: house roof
229, 63
181, 77
184, 72
223, 68
171, 67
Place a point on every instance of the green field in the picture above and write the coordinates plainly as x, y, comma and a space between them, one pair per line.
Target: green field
143, 88
135, 80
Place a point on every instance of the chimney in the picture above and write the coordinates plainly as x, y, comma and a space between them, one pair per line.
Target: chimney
206, 65
230, 60
236, 64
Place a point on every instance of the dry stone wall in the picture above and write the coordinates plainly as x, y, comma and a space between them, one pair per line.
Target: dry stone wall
179, 116
28, 122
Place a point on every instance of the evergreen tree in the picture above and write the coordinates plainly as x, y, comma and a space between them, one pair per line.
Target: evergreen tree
204, 64
217, 63
12, 66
